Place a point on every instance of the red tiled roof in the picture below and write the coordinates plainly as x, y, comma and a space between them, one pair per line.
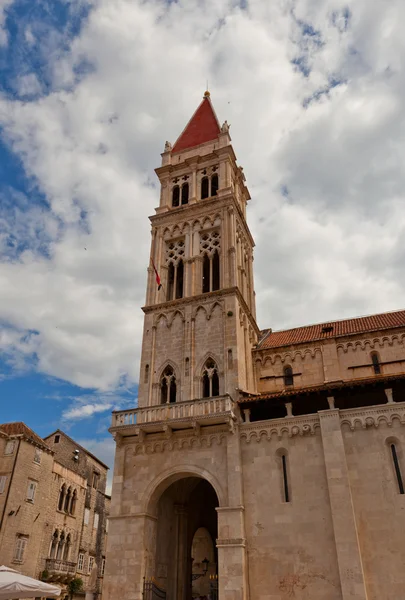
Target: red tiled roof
310, 333
202, 127
20, 428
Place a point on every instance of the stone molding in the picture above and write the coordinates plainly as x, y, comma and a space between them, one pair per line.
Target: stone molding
231, 542
373, 416
379, 341
289, 426
370, 416
267, 355
181, 443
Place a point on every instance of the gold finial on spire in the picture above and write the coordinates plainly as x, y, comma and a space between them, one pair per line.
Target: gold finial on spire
207, 94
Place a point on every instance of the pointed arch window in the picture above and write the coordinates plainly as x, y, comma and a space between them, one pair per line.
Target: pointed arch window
175, 280
211, 272
176, 196
205, 184
62, 497
66, 550
73, 503
61, 546
210, 379
288, 376
54, 544
67, 500
376, 363
214, 185
184, 193
168, 387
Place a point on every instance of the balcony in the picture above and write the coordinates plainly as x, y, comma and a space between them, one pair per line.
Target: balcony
179, 415
60, 570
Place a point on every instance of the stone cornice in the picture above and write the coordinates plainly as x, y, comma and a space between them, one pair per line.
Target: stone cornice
225, 292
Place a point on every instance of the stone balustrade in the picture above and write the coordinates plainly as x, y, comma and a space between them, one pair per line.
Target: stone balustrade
215, 410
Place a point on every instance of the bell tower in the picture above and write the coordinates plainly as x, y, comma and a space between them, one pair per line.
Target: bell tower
200, 302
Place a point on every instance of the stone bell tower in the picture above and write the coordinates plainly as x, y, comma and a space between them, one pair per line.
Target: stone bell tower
178, 470
200, 324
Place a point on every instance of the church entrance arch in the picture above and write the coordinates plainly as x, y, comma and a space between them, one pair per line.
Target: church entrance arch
186, 527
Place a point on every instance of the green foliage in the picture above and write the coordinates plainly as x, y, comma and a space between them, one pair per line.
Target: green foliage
75, 586
45, 575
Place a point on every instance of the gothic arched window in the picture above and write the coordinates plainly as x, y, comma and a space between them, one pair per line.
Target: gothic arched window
376, 363
61, 546
66, 550
73, 503
175, 252
184, 193
209, 248
168, 387
214, 185
288, 376
205, 188
54, 544
176, 196
210, 379
61, 497
67, 500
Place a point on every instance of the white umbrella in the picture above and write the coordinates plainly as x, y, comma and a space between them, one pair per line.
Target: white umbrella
15, 585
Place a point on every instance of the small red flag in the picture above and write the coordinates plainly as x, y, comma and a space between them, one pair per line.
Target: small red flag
157, 275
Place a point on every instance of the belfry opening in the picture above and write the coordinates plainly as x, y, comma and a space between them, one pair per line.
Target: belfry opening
183, 554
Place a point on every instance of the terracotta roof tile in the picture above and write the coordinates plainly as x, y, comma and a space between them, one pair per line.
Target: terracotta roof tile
202, 127
310, 333
20, 428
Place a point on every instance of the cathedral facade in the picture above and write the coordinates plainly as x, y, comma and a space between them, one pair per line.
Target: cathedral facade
259, 464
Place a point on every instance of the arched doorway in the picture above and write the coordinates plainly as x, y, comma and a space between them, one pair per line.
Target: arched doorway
185, 507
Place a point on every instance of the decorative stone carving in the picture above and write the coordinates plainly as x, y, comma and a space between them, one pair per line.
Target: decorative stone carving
168, 147
225, 127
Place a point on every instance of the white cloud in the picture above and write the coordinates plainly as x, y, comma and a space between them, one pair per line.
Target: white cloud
329, 246
86, 410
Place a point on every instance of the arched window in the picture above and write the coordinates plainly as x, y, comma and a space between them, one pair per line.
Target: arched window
214, 185
376, 363
170, 281
184, 193
54, 544
215, 271
179, 277
168, 386
176, 196
61, 497
397, 468
61, 546
284, 470
210, 379
288, 376
66, 550
67, 500
146, 378
73, 503
204, 188
175, 280
206, 274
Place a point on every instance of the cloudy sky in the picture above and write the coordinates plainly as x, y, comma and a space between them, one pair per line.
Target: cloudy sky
89, 92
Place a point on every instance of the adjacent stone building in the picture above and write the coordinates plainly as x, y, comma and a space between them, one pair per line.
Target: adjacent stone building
278, 456
53, 507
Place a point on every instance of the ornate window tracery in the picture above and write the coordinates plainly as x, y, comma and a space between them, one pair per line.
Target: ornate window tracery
210, 243
168, 387
210, 379
175, 275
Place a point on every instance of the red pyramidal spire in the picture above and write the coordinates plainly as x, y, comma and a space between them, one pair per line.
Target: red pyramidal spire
202, 127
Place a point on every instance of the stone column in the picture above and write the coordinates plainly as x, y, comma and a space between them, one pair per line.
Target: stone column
181, 552
343, 517
231, 542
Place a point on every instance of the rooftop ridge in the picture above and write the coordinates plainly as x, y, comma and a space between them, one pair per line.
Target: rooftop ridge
202, 127
332, 329
388, 312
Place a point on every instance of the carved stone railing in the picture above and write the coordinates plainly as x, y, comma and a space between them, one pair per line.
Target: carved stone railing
214, 410
60, 566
